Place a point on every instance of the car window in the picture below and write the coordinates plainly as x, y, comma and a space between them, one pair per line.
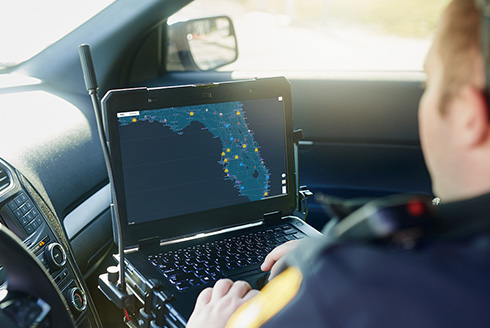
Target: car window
326, 34
29, 26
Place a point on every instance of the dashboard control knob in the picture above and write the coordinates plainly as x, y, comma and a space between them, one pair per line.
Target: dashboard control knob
77, 299
55, 255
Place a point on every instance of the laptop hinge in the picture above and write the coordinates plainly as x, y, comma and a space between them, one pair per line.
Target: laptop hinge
149, 243
272, 218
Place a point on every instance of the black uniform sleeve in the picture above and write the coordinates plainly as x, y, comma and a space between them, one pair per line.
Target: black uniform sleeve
350, 286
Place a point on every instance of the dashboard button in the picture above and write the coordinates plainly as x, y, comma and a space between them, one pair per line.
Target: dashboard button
29, 229
23, 220
29, 205
42, 259
35, 212
38, 219
13, 206
18, 200
29, 216
24, 209
23, 197
18, 213
34, 225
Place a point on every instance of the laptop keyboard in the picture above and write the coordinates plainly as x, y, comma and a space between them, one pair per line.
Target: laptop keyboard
201, 264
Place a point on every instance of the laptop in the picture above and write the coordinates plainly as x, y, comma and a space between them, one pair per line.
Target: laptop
206, 184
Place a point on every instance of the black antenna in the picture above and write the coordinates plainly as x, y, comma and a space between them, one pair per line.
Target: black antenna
92, 88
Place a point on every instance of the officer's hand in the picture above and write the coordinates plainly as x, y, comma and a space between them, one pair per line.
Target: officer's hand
214, 306
273, 260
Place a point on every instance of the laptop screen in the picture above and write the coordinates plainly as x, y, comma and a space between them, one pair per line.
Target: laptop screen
197, 158
182, 160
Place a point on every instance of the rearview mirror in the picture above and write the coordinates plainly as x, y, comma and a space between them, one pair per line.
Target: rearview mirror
202, 44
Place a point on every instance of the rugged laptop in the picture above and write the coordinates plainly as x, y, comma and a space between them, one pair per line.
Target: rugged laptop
205, 179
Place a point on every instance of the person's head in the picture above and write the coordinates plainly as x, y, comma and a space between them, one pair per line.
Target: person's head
453, 116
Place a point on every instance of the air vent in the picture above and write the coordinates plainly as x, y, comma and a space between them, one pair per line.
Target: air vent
4, 178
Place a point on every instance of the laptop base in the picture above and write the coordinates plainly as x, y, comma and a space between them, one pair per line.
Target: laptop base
156, 296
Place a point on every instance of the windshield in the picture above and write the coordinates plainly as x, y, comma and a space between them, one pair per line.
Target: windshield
29, 26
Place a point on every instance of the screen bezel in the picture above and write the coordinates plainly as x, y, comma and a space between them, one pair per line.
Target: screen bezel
124, 100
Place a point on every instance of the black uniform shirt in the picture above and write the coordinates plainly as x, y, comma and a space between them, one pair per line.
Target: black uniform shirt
444, 282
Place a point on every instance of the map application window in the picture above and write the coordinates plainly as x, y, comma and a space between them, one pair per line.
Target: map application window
181, 160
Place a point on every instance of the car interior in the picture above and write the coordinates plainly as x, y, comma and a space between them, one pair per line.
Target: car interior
359, 139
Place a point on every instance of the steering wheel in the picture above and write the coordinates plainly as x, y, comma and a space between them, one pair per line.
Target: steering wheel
32, 299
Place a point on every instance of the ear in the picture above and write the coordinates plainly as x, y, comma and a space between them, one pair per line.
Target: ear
470, 117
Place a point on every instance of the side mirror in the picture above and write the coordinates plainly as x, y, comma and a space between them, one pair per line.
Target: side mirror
201, 44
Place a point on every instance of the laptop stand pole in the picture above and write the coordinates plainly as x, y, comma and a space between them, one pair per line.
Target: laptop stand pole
107, 282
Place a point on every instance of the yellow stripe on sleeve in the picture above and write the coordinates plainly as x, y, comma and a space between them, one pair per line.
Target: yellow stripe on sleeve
272, 298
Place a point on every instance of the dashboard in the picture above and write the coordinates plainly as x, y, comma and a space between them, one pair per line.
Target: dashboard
27, 216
